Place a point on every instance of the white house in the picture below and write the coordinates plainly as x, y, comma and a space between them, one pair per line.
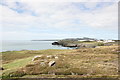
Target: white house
106, 41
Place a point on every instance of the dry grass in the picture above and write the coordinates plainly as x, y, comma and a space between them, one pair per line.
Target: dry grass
101, 61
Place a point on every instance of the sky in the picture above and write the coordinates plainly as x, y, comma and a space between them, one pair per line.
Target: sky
38, 19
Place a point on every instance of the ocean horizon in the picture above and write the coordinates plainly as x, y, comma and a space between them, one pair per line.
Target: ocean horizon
17, 45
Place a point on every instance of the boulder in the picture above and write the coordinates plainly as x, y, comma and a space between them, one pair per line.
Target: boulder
51, 63
36, 57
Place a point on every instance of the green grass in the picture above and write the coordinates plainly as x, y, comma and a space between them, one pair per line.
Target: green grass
17, 63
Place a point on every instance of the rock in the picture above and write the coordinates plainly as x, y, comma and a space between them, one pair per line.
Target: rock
1, 68
36, 57
72, 73
42, 63
11, 75
49, 56
51, 63
55, 43
56, 57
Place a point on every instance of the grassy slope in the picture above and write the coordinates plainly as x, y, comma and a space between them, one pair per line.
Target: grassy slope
89, 62
19, 59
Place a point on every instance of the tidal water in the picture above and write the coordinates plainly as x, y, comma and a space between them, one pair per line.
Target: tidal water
10, 45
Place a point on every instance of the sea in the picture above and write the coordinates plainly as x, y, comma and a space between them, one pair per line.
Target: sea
17, 45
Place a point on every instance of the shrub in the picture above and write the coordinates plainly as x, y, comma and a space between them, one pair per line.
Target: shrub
100, 44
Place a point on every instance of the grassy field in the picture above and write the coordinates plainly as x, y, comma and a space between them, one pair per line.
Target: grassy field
86, 62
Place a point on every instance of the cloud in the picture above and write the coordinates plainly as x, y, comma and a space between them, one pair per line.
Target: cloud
26, 15
104, 18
